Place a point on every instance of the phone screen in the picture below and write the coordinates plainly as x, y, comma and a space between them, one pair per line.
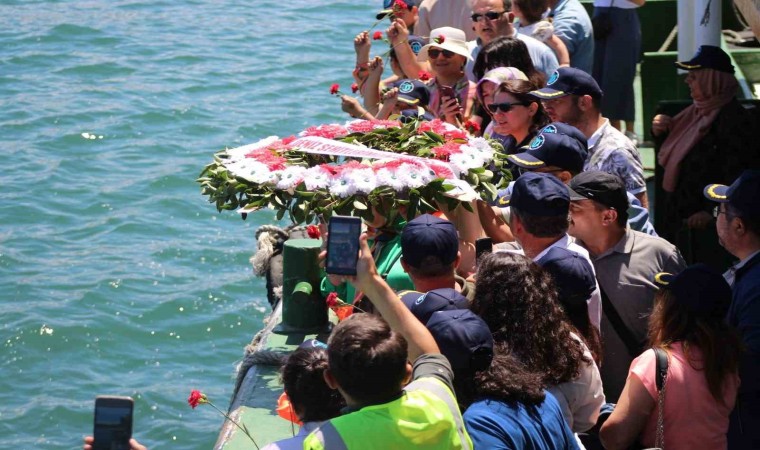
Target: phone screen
113, 423
343, 245
483, 246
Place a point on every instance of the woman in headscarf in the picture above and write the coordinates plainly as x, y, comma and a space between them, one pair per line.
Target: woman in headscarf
711, 138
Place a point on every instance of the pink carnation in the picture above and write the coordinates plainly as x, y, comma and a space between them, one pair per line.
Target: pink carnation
326, 131
365, 126
443, 152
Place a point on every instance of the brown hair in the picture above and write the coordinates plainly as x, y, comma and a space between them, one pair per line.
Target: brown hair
533, 10
303, 378
520, 89
367, 359
719, 343
518, 301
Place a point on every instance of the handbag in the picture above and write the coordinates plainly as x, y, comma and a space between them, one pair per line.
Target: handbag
602, 24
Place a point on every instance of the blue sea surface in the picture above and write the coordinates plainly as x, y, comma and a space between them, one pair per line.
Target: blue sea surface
116, 276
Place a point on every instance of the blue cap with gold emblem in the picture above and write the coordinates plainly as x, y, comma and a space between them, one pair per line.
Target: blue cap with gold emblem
540, 194
743, 194
553, 149
566, 81
699, 288
708, 57
412, 92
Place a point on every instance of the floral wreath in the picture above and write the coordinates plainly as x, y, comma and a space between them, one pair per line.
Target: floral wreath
356, 167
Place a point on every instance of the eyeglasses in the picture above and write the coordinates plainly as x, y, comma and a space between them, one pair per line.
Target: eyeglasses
490, 15
433, 53
505, 107
717, 212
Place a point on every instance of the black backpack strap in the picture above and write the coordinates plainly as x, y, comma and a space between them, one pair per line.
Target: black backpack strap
662, 366
634, 346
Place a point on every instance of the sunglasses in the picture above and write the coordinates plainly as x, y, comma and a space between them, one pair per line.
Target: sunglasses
505, 107
434, 53
490, 15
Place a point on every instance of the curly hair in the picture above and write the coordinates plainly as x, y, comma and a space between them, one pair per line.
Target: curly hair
520, 89
507, 52
507, 380
719, 342
303, 378
518, 301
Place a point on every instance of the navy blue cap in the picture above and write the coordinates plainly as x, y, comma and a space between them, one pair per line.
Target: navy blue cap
602, 187
312, 344
388, 7
464, 338
412, 92
428, 235
409, 115
563, 128
708, 57
743, 194
699, 288
423, 305
552, 149
568, 80
540, 194
572, 274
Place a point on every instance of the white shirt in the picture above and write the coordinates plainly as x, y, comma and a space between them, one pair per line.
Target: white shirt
730, 274
295, 442
622, 4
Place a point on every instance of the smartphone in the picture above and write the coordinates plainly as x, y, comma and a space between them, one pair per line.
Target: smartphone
447, 91
113, 422
483, 246
343, 245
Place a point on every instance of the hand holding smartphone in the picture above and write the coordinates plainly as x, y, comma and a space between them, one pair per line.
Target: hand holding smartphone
343, 245
113, 423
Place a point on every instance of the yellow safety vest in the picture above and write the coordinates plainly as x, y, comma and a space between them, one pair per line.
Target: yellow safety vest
426, 416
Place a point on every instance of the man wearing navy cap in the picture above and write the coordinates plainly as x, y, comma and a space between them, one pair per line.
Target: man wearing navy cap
406, 10
626, 262
738, 227
539, 220
430, 255
572, 96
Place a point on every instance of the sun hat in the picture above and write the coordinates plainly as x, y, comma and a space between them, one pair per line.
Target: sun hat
498, 76
446, 38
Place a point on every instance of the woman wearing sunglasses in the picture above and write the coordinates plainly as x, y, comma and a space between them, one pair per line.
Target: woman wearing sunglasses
451, 93
516, 115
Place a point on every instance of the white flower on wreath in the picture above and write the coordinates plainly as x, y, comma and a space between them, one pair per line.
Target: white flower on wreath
412, 176
253, 171
388, 177
364, 180
290, 177
317, 178
465, 161
480, 147
342, 186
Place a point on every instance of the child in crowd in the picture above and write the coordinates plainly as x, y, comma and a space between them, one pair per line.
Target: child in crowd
532, 23
312, 402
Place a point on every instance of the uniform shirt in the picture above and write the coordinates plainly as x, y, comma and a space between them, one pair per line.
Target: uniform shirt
542, 56
496, 425
626, 273
611, 151
445, 13
573, 25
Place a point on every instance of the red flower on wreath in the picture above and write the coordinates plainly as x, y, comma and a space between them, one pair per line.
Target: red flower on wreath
377, 35
440, 39
334, 89
424, 76
472, 127
443, 152
313, 231
288, 140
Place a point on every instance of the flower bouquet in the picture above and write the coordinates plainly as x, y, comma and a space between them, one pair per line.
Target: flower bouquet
355, 169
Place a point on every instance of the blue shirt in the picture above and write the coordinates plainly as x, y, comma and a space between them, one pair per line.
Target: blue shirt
493, 424
638, 216
573, 25
744, 314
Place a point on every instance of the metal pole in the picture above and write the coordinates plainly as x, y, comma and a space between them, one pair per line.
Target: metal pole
707, 22
686, 46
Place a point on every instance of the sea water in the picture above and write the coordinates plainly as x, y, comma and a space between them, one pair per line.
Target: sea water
116, 276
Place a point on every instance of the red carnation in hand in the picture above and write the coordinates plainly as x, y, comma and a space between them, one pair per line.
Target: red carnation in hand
400, 5
471, 126
334, 89
196, 398
313, 231
424, 76
354, 88
332, 300
377, 35
440, 39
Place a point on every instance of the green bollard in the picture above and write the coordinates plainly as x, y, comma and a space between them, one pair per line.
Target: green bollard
303, 309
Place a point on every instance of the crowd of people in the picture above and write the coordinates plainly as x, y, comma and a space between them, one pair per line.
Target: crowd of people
581, 328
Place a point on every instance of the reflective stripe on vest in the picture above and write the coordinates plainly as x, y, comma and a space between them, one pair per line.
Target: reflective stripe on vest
443, 392
326, 436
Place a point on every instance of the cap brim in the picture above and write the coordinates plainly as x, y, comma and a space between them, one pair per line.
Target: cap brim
663, 279
408, 101
716, 192
526, 160
383, 13
687, 65
548, 93
574, 196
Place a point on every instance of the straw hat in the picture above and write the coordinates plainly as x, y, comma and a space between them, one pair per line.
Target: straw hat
446, 38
